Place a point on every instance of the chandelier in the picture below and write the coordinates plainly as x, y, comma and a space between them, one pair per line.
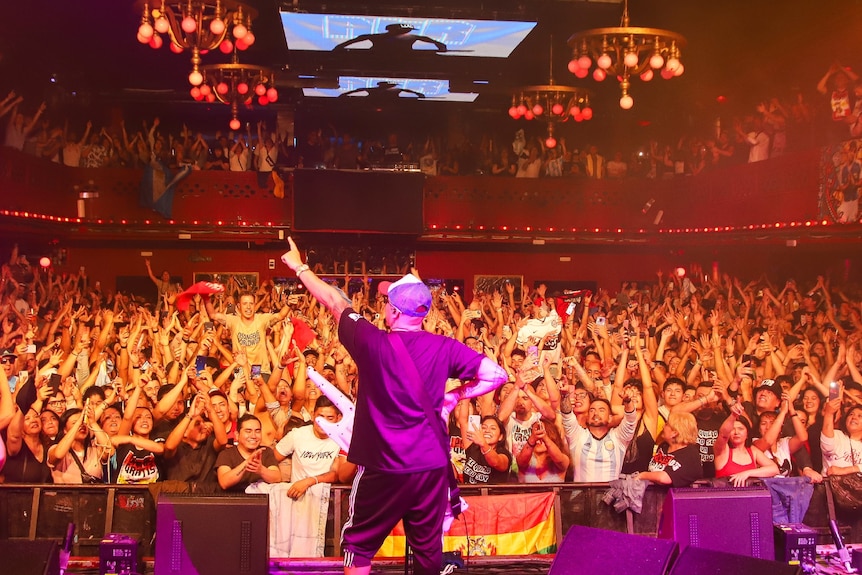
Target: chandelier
234, 84
551, 102
198, 26
626, 52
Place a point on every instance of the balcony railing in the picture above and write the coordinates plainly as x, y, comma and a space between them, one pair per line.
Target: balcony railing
781, 190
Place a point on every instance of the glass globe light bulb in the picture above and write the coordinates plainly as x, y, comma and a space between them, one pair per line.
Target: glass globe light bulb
599, 75
647, 75
656, 61
189, 25
557, 109
604, 62
679, 70
195, 78
217, 26
626, 102
581, 73
145, 31
538, 110
631, 59
672, 64
239, 31
587, 113
234, 124
585, 61
551, 142
162, 25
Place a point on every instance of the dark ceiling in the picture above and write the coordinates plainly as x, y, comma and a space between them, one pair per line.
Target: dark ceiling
744, 50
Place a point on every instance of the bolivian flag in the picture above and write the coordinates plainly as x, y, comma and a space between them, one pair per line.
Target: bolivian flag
521, 524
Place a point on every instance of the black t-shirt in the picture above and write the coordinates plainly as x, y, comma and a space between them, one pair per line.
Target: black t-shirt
477, 471
683, 465
231, 457
638, 453
391, 432
192, 464
708, 424
23, 467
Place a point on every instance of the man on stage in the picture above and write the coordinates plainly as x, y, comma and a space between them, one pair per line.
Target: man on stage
402, 454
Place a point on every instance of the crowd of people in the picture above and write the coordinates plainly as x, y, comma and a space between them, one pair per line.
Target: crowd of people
678, 380
776, 126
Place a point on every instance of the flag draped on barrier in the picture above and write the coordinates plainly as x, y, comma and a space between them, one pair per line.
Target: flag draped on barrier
518, 524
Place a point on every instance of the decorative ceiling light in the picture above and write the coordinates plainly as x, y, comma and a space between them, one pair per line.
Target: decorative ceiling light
234, 84
551, 102
198, 26
625, 52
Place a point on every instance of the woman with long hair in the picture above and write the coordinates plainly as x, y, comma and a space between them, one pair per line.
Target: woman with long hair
78, 456
26, 449
544, 457
842, 447
487, 459
640, 450
136, 450
735, 457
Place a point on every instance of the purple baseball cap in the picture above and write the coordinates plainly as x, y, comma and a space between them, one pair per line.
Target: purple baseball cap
408, 295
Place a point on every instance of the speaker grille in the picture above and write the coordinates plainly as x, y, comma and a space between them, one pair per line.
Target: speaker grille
754, 526
245, 547
693, 531
176, 546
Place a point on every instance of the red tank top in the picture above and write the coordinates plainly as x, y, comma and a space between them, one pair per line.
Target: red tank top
731, 467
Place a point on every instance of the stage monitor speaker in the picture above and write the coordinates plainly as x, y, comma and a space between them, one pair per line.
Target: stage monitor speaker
24, 557
212, 535
694, 561
586, 551
733, 519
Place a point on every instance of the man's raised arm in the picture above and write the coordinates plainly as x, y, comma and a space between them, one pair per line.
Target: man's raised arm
332, 298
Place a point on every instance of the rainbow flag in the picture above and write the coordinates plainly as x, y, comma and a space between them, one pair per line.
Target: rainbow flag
521, 524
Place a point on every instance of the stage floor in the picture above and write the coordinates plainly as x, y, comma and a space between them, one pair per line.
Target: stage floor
529, 565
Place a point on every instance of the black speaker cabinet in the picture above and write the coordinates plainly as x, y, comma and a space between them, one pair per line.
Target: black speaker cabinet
733, 519
695, 561
212, 535
23, 557
589, 551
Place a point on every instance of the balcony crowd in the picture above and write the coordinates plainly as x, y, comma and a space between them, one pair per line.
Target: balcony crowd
776, 125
